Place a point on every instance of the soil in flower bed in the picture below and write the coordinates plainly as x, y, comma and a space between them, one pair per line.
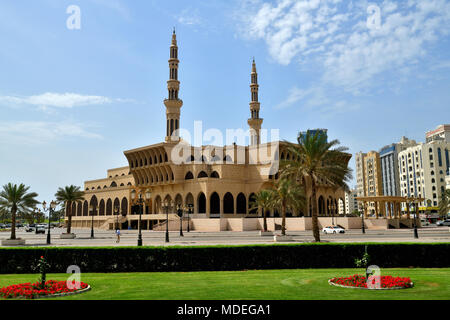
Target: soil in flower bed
386, 282
36, 291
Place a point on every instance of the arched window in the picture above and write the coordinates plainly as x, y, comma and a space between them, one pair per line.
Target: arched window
189, 176
116, 204
102, 208
228, 160
113, 184
202, 175
109, 211
124, 207
85, 209
214, 203
215, 175
228, 203
201, 203
242, 204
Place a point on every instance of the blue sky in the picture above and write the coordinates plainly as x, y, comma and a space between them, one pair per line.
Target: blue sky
71, 101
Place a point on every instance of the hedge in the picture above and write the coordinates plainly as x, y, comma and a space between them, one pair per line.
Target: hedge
225, 258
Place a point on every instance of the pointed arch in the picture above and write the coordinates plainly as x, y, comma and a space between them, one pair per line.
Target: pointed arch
201, 203
102, 208
214, 203
228, 203
241, 205
109, 210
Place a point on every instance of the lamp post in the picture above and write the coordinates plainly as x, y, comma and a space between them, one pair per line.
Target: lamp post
116, 213
140, 201
50, 210
167, 205
416, 234
180, 210
92, 208
190, 209
363, 227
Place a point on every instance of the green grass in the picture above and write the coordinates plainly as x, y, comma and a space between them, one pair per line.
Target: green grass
432, 284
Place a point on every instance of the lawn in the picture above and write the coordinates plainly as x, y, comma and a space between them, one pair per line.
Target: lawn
433, 284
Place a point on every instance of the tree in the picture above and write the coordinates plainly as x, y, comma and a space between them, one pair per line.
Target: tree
16, 198
263, 200
67, 196
444, 204
315, 160
288, 195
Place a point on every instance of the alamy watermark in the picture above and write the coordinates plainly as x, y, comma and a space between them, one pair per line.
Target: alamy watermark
74, 20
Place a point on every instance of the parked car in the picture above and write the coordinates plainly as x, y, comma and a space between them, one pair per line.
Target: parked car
424, 222
333, 229
30, 228
445, 223
40, 228
2, 226
19, 225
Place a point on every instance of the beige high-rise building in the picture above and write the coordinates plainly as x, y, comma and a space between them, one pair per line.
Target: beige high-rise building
217, 183
368, 176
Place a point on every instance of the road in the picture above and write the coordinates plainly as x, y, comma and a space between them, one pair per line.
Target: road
157, 238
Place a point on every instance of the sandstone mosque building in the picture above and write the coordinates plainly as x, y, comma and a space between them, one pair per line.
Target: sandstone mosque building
216, 183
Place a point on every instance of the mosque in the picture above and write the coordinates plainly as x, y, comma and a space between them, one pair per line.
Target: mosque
213, 186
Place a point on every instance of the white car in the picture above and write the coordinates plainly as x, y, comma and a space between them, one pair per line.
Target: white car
334, 229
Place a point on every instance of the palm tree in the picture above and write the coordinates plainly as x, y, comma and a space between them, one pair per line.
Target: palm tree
67, 196
16, 198
263, 200
314, 161
288, 195
444, 204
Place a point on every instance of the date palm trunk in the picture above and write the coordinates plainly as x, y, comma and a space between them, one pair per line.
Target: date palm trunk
265, 219
13, 222
69, 216
283, 221
315, 220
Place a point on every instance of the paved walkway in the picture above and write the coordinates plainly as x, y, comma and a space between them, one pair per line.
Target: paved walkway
157, 238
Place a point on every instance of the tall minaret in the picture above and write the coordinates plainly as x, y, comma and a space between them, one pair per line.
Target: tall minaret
173, 104
255, 121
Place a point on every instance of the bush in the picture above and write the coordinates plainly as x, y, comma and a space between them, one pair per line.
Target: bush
224, 258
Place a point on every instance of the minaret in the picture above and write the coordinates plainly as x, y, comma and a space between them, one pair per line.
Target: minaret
255, 121
173, 103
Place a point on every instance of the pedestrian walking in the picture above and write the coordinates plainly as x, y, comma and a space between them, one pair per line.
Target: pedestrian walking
118, 235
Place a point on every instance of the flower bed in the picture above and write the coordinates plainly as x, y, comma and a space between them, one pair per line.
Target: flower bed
359, 281
35, 290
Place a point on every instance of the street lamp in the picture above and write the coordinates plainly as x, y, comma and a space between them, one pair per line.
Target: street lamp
180, 214
116, 213
416, 234
92, 208
51, 210
167, 205
140, 201
363, 227
190, 210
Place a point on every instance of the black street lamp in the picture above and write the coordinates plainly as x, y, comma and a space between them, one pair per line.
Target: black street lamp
190, 210
363, 227
92, 210
140, 201
51, 210
416, 234
180, 214
167, 205
116, 213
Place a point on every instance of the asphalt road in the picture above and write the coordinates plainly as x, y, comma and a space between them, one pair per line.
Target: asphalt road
157, 238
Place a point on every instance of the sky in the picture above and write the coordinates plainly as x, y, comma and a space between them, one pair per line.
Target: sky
81, 81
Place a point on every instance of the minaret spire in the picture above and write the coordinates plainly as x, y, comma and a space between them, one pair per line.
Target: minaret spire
255, 122
173, 103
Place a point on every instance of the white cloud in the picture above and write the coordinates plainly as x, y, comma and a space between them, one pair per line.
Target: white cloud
189, 16
57, 100
334, 35
40, 132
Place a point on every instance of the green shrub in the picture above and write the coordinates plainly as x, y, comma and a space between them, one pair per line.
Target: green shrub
224, 258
